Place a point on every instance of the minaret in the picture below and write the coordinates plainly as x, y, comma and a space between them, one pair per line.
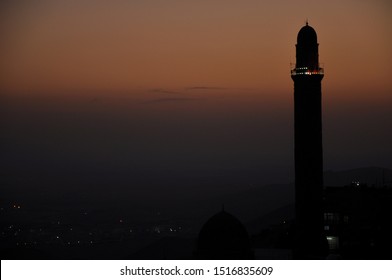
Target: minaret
307, 76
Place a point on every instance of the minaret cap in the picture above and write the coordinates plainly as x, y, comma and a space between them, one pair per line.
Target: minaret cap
307, 35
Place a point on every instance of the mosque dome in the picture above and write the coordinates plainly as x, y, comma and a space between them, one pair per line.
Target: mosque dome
223, 237
307, 35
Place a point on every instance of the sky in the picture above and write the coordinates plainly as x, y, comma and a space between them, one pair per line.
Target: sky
201, 85
121, 45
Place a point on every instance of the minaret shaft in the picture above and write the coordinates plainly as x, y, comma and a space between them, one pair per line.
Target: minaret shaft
307, 76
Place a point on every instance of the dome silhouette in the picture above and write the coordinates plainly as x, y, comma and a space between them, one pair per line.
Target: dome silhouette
223, 237
307, 35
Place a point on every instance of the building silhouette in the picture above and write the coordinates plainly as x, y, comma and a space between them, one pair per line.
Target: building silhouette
356, 221
223, 236
307, 76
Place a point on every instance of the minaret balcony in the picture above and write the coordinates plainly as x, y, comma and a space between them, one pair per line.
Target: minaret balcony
306, 71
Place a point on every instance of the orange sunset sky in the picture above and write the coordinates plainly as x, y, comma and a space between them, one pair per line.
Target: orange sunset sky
173, 44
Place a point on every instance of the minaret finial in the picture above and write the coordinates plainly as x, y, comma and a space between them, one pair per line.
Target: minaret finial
307, 22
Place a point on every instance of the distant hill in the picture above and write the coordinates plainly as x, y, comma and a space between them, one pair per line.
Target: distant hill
372, 176
268, 205
281, 215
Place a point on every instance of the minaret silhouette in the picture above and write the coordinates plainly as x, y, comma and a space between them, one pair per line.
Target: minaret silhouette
307, 76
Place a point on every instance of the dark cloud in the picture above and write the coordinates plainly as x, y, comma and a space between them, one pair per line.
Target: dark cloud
205, 88
167, 100
159, 90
